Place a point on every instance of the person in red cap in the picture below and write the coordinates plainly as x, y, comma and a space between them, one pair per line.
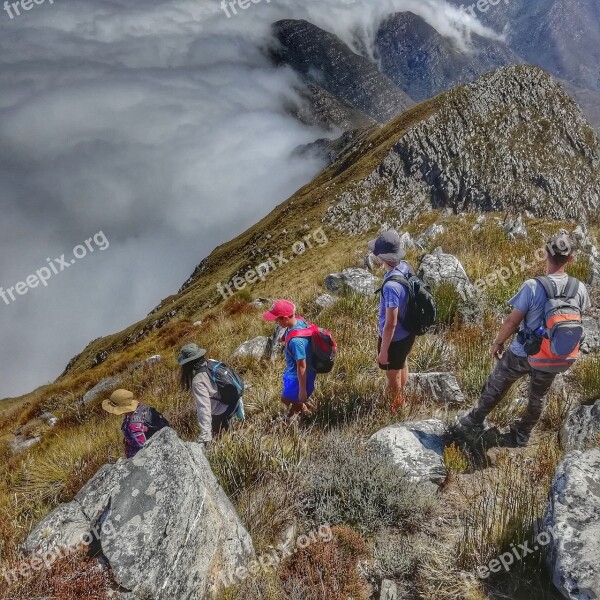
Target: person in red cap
298, 377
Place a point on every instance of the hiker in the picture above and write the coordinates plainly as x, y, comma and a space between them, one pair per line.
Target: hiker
395, 340
140, 422
547, 314
217, 390
299, 375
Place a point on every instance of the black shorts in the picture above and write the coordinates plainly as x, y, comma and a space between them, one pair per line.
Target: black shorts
397, 353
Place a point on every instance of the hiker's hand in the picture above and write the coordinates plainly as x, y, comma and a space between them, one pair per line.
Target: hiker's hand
497, 350
383, 358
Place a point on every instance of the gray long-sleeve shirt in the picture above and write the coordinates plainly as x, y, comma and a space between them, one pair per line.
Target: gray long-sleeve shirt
208, 404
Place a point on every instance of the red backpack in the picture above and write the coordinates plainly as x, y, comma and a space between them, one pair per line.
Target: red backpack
323, 348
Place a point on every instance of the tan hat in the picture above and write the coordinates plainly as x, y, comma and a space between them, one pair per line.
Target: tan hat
120, 402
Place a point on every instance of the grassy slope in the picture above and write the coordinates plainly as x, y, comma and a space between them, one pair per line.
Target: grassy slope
257, 462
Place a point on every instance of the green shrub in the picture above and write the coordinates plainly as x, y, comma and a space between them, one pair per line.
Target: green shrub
447, 300
347, 484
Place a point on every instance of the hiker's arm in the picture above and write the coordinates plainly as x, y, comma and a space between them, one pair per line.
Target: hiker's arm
391, 320
301, 368
203, 408
510, 325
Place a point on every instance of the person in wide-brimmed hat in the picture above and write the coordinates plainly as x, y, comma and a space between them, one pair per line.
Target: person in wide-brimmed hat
140, 422
395, 341
217, 390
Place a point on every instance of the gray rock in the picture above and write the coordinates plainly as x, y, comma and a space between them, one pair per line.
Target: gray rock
591, 341
21, 443
325, 301
573, 520
100, 388
357, 281
429, 235
515, 229
406, 241
580, 427
64, 527
415, 447
173, 531
276, 345
439, 387
255, 348
389, 590
438, 267
153, 360
594, 278
49, 419
261, 302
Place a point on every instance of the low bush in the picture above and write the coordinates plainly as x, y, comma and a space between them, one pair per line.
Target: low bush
347, 484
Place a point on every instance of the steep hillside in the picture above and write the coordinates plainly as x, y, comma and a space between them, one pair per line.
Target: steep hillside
512, 141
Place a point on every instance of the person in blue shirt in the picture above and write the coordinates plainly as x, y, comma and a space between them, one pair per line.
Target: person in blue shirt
395, 342
527, 315
298, 377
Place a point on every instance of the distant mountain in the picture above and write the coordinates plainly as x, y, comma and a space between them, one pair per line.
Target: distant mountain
424, 63
325, 61
562, 36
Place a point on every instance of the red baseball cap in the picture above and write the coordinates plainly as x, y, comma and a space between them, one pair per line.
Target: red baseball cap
281, 308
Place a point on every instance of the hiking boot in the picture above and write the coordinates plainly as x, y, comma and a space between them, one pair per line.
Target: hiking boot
468, 427
519, 438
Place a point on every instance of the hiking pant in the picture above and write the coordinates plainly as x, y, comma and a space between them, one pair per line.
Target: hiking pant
222, 422
509, 370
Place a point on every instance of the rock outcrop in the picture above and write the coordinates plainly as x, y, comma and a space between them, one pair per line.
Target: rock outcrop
356, 281
439, 387
581, 427
163, 523
513, 141
256, 348
415, 447
572, 520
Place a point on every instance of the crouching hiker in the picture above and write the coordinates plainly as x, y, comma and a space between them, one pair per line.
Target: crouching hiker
217, 390
140, 422
547, 313
308, 350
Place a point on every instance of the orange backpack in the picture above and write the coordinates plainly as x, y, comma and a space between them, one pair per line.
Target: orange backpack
554, 347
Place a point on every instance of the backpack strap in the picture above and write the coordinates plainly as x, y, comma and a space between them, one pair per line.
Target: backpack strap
571, 289
396, 279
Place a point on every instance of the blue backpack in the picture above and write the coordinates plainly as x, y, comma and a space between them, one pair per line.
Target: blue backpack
227, 381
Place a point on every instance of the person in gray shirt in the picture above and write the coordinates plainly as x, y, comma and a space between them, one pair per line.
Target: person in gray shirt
214, 415
527, 315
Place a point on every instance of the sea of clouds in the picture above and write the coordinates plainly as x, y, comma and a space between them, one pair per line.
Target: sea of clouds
160, 123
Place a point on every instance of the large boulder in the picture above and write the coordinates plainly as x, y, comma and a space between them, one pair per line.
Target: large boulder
100, 388
256, 348
572, 521
438, 267
173, 531
591, 341
439, 387
357, 281
415, 447
581, 427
